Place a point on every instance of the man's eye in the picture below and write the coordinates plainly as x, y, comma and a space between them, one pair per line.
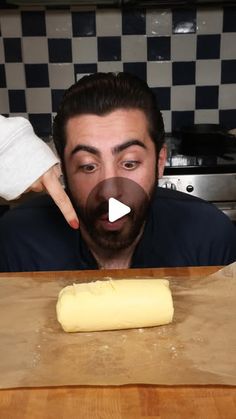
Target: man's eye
87, 168
130, 164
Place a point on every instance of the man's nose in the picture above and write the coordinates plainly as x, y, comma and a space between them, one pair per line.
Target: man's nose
110, 188
109, 171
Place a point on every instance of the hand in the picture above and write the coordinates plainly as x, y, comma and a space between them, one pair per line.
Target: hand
49, 182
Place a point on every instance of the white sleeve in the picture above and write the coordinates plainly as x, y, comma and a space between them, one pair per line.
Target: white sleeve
23, 157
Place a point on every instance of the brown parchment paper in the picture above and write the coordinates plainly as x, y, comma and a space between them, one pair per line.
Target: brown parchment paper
199, 347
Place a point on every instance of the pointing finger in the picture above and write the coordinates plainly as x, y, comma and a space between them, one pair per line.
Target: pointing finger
53, 186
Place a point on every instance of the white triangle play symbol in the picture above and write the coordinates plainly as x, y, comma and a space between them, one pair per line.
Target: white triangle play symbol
116, 209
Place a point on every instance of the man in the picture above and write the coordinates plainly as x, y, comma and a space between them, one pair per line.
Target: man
109, 135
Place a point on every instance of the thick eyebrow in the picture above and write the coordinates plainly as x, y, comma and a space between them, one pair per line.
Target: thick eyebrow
83, 147
117, 149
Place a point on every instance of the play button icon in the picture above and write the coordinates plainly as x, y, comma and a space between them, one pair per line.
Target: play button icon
116, 209
114, 213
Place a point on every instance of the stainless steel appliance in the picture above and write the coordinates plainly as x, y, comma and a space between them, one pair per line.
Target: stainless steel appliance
209, 174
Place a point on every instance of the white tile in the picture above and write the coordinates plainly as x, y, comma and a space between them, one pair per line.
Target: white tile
58, 24
15, 75
228, 46
208, 72
2, 55
167, 120
182, 98
206, 116
61, 75
133, 48
10, 23
183, 47
84, 50
38, 100
108, 22
209, 21
4, 102
34, 49
23, 114
79, 76
159, 22
227, 96
110, 66
159, 74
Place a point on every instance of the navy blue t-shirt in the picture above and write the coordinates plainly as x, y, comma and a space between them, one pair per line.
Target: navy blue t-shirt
180, 230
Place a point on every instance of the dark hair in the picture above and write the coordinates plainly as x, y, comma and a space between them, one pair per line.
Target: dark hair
102, 93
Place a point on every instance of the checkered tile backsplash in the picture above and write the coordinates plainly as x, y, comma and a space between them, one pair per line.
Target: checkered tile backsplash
188, 58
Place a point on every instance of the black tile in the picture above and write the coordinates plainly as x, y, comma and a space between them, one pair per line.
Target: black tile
85, 69
158, 48
138, 69
163, 97
208, 47
2, 76
227, 118
181, 119
109, 48
207, 97
33, 23
184, 20
5, 5
60, 50
183, 72
17, 102
42, 123
12, 49
228, 71
36, 75
134, 22
229, 19
83, 23
57, 95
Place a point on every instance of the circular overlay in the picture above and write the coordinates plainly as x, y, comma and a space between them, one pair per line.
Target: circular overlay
125, 191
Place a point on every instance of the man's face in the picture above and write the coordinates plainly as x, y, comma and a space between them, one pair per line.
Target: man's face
111, 156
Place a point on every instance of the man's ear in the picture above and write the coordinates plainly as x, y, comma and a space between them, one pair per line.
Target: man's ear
162, 160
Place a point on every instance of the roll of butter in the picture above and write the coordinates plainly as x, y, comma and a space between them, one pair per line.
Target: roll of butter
115, 304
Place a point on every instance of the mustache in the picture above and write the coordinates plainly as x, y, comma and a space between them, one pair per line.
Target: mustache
90, 213
99, 210
102, 209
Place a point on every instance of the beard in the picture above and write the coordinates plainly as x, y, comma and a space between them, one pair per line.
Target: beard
94, 215
113, 240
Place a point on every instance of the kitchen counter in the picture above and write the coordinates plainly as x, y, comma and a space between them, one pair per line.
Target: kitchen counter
120, 402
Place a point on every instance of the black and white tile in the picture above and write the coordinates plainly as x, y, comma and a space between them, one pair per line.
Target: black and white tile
187, 56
